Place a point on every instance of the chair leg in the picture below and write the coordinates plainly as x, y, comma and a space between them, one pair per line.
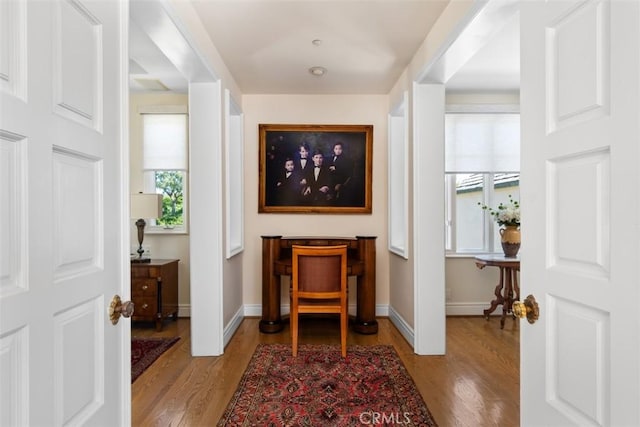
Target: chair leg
344, 326
294, 333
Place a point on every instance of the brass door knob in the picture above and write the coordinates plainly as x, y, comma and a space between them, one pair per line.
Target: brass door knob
118, 308
527, 308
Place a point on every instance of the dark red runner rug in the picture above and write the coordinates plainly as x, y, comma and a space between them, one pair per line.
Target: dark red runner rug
145, 351
320, 388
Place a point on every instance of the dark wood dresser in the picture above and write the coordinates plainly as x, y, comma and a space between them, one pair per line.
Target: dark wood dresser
154, 290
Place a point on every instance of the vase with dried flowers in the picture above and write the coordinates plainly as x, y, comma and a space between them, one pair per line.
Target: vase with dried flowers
507, 215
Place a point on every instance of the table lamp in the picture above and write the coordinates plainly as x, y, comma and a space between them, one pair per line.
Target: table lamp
144, 205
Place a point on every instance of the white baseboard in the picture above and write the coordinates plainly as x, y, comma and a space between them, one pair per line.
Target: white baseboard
470, 309
382, 310
255, 310
405, 329
231, 327
184, 310
454, 309
252, 310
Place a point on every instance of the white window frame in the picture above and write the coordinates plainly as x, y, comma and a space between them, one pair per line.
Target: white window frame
398, 196
150, 187
489, 225
234, 184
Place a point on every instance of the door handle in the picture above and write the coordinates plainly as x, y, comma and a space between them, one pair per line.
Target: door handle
527, 308
118, 308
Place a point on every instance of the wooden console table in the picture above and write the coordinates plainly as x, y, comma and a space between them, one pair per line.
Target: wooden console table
361, 262
507, 291
154, 290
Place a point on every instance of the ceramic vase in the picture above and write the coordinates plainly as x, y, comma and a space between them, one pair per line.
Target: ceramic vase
510, 239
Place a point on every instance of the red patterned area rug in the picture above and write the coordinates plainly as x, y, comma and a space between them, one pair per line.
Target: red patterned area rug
145, 351
319, 388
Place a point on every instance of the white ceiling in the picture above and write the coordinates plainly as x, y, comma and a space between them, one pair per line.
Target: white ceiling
268, 46
149, 68
496, 67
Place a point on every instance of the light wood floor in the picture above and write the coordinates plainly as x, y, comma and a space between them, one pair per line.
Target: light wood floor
475, 384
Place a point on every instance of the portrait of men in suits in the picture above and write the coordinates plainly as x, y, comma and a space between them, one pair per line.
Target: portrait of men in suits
323, 168
319, 179
288, 188
341, 168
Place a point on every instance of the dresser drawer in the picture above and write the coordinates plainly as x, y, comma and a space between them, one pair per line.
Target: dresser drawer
145, 307
144, 287
147, 271
154, 290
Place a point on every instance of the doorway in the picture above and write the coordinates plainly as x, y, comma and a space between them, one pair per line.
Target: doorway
160, 68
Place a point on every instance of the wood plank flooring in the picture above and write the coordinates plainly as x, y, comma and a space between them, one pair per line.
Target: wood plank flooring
475, 384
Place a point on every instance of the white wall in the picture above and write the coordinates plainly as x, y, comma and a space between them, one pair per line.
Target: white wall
313, 109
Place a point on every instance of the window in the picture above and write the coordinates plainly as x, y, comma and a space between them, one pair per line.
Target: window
234, 165
482, 165
398, 224
165, 165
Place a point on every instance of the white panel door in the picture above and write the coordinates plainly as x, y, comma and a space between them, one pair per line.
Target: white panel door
580, 363
62, 362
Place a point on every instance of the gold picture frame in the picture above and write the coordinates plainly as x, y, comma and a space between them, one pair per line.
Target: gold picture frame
315, 168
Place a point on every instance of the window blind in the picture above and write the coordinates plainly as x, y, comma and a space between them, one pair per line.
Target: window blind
482, 143
165, 142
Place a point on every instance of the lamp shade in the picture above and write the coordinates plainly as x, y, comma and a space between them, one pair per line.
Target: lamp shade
146, 205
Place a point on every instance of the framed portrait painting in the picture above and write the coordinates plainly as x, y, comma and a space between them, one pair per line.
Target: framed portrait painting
315, 168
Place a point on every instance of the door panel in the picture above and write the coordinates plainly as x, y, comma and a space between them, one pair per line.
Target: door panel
576, 211
77, 57
62, 93
579, 104
577, 52
79, 362
76, 185
578, 332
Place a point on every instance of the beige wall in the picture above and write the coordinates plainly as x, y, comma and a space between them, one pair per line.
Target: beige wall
161, 245
313, 109
401, 300
469, 289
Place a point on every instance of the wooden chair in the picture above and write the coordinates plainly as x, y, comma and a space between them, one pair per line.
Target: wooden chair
319, 285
